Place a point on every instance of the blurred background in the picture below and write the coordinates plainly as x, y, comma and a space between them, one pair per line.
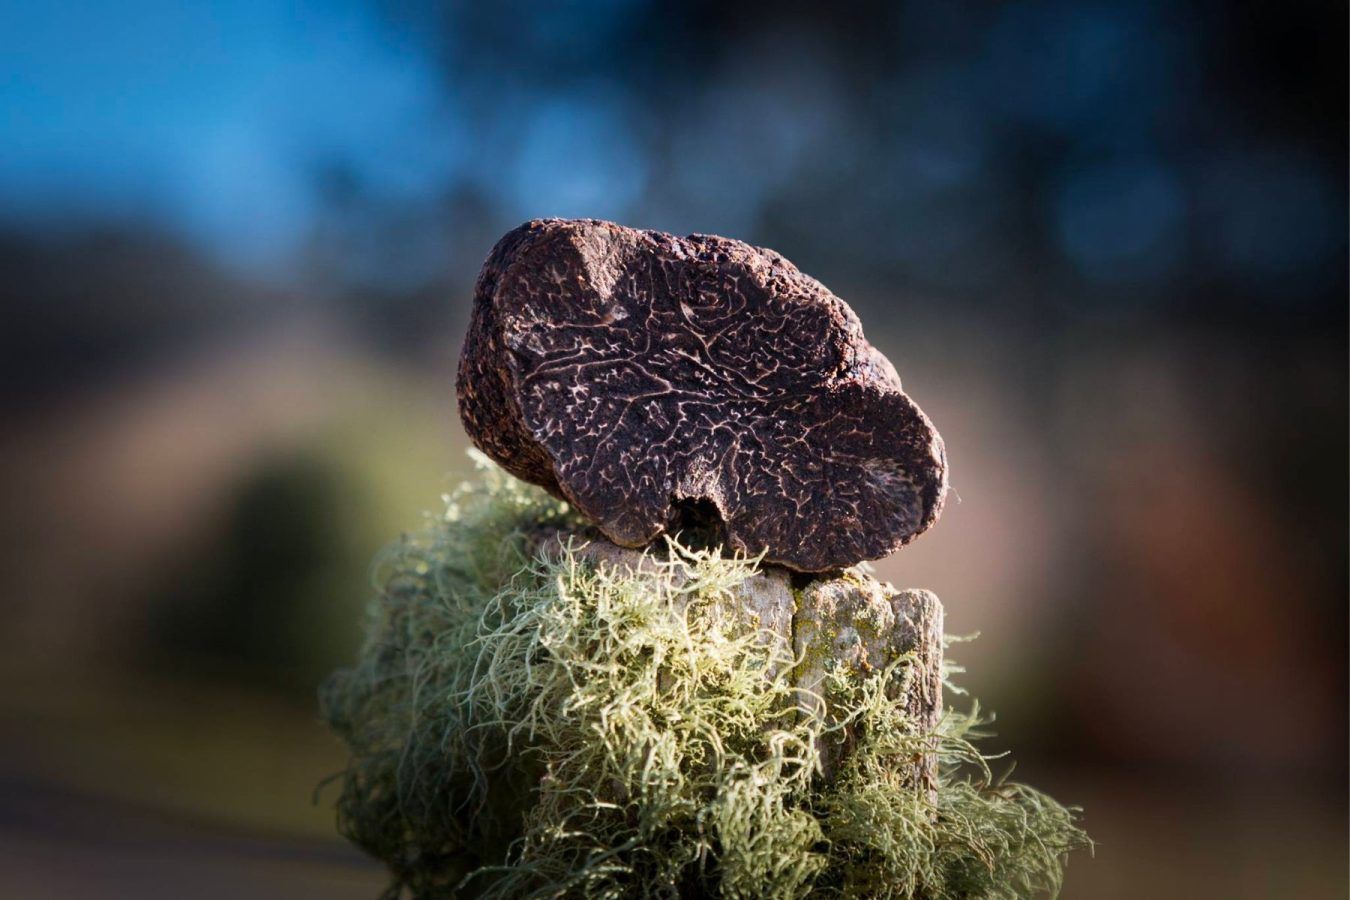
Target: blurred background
1103, 242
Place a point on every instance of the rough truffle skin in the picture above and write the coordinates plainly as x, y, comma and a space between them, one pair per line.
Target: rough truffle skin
634, 373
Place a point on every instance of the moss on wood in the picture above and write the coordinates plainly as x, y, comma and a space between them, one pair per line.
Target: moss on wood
526, 724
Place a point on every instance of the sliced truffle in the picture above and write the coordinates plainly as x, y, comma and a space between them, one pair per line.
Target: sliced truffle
646, 378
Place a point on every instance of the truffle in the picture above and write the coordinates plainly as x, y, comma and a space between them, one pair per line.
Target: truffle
653, 381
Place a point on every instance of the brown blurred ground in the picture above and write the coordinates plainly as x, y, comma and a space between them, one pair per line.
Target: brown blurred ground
1180, 706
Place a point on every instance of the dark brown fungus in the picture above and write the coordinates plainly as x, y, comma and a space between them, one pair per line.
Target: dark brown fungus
648, 379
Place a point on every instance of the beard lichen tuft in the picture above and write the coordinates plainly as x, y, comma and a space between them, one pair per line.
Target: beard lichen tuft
528, 724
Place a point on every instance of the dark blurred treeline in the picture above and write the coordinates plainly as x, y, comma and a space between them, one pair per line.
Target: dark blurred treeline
1050, 164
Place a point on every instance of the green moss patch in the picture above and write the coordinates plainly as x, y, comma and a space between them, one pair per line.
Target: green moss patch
525, 725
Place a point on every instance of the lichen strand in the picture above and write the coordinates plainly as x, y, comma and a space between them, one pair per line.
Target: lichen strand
530, 724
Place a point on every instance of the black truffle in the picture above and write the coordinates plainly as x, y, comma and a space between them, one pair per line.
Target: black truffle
642, 376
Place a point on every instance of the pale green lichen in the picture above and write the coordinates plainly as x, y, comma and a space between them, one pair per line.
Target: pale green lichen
526, 725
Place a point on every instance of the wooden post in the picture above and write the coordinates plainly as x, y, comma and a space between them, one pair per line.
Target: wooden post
844, 619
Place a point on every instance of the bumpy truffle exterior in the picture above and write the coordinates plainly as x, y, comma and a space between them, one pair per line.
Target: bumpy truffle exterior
636, 374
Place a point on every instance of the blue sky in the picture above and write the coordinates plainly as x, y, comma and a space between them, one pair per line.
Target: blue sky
215, 120
209, 117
